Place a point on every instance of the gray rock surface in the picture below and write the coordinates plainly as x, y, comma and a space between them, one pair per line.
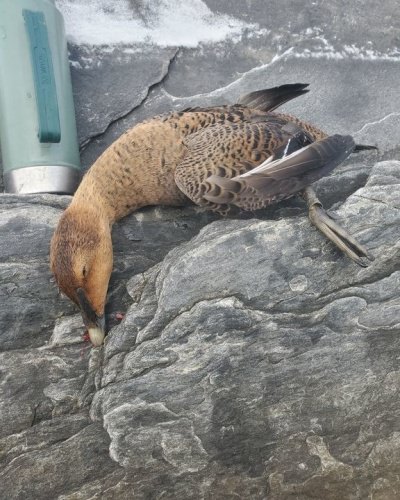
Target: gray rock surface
254, 361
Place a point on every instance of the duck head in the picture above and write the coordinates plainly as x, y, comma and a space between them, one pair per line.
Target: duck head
81, 259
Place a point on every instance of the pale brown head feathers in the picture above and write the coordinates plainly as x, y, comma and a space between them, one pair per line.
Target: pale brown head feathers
81, 260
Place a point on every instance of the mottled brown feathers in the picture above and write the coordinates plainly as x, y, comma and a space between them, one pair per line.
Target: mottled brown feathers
235, 146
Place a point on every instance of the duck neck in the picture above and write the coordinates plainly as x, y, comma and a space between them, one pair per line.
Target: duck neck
87, 200
102, 192
112, 188
137, 170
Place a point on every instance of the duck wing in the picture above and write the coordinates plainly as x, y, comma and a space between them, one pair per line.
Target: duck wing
273, 181
251, 165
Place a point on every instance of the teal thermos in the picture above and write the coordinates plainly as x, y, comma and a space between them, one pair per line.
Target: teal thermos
39, 145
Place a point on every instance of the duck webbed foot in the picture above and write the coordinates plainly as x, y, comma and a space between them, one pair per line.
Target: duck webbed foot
333, 231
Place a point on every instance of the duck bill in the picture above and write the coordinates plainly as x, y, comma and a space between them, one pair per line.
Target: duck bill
94, 323
97, 332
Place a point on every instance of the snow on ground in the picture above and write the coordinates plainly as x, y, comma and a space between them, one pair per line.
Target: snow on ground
163, 23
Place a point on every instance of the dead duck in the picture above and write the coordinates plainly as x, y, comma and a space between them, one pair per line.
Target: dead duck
242, 155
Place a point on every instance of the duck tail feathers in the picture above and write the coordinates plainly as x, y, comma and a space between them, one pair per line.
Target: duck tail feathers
270, 99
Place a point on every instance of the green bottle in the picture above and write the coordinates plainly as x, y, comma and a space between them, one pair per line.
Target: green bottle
38, 136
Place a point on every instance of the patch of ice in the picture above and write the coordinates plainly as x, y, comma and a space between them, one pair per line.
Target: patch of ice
163, 23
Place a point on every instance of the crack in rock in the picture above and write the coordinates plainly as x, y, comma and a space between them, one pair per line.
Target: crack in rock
151, 87
376, 122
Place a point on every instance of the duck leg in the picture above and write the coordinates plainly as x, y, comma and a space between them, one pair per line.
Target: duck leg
333, 231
